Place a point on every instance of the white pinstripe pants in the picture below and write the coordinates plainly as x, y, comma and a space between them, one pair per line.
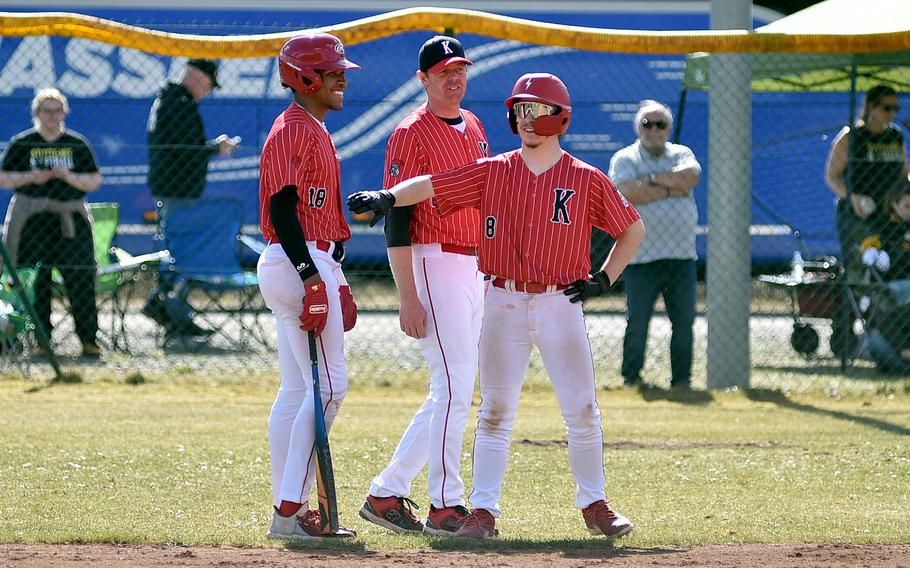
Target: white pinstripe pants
451, 290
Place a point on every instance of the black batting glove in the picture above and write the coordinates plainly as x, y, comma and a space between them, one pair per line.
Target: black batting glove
595, 286
379, 202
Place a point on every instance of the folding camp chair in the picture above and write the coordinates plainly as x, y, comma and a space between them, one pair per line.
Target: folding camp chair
203, 239
17, 340
118, 273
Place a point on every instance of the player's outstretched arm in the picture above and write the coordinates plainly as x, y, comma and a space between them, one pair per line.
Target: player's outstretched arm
405, 193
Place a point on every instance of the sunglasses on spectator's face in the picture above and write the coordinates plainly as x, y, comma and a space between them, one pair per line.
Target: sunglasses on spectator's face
533, 109
891, 108
649, 124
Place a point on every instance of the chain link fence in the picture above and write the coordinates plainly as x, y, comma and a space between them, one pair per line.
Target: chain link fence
131, 115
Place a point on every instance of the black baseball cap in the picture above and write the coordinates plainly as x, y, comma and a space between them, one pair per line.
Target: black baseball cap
208, 67
439, 52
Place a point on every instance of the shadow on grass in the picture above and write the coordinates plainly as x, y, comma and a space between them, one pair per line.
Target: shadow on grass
832, 368
680, 395
780, 399
568, 548
329, 546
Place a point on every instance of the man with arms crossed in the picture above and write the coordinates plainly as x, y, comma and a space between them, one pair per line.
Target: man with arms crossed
537, 206
657, 177
300, 269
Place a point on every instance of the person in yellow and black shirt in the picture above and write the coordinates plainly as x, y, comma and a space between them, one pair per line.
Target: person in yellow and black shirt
51, 168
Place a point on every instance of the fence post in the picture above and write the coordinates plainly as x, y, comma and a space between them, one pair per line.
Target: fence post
729, 204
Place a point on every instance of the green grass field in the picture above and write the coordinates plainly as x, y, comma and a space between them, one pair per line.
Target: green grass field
183, 458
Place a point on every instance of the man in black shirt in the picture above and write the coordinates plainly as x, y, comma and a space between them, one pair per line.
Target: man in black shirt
179, 155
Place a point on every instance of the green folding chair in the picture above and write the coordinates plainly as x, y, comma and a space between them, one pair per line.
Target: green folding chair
118, 273
17, 341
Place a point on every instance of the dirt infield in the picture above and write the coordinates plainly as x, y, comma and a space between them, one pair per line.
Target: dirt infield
722, 556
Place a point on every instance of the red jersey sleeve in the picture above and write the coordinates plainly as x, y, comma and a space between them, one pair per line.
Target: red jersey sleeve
609, 211
404, 157
288, 163
461, 187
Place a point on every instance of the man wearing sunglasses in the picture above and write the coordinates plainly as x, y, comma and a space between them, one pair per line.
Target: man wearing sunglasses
658, 177
537, 207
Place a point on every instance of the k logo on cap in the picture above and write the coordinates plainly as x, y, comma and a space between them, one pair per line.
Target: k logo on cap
439, 52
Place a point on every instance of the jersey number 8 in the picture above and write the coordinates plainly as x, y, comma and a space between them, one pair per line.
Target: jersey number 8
490, 227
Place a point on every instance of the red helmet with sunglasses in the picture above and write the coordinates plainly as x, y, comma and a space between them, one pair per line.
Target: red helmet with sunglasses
541, 88
302, 57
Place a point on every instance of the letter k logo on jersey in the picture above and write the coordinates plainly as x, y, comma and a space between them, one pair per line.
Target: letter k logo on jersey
560, 211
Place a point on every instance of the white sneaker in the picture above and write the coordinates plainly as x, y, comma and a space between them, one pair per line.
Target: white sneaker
288, 528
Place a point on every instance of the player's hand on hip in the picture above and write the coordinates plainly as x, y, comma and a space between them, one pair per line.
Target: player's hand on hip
315, 312
379, 202
348, 307
413, 318
581, 290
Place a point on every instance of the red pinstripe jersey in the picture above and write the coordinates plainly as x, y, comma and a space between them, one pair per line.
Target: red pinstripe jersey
422, 144
535, 228
299, 151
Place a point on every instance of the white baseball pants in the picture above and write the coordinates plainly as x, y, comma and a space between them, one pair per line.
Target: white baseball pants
513, 322
292, 421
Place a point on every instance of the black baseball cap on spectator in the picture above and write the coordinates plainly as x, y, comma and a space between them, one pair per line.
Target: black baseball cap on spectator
208, 67
439, 52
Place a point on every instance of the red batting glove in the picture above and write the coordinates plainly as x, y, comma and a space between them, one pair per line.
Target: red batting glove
348, 307
315, 312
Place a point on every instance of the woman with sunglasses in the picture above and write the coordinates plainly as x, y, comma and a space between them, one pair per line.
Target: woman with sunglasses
52, 168
865, 162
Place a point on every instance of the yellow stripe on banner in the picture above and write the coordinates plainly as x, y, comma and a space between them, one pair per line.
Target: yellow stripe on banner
458, 21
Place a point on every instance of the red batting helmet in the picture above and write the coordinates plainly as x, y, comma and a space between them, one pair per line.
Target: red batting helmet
542, 88
302, 57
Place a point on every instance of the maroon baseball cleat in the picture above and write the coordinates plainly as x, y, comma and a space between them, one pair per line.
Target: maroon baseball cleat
393, 513
478, 524
601, 519
445, 521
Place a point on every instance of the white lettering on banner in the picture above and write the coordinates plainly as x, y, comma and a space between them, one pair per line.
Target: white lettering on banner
142, 76
242, 78
89, 73
30, 66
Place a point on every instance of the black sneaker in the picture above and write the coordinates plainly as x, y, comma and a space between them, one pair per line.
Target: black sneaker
393, 513
189, 328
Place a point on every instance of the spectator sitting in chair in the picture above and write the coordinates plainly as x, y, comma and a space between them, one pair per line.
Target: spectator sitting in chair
888, 248
888, 251
52, 168
864, 163
178, 164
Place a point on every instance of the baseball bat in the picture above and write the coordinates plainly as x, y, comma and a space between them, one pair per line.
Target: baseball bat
325, 475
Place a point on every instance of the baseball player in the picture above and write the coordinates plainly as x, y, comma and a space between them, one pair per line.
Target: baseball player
300, 272
537, 206
434, 262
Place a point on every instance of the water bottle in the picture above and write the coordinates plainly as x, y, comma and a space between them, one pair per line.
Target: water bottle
797, 264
